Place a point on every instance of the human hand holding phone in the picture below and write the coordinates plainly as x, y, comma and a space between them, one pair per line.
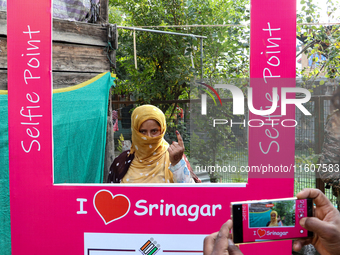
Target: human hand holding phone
325, 224
259, 220
219, 243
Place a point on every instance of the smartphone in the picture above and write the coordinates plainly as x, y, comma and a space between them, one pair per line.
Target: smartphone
269, 220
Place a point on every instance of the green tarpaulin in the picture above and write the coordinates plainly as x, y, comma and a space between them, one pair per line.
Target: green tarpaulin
259, 219
79, 132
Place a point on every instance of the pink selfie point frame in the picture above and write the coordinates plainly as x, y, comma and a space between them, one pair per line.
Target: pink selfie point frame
52, 219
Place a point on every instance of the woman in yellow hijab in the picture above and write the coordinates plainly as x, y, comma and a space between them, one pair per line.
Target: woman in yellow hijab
273, 219
151, 159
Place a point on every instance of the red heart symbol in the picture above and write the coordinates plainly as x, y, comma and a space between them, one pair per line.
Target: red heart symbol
261, 232
109, 207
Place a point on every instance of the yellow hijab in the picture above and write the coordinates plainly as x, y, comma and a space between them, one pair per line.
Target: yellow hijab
151, 162
273, 223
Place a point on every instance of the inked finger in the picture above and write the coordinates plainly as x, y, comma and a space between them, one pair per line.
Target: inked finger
179, 139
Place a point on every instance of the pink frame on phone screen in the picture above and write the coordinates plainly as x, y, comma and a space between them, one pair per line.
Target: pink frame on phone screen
263, 232
110, 219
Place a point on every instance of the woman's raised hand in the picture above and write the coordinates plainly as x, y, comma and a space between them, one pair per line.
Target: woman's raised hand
176, 150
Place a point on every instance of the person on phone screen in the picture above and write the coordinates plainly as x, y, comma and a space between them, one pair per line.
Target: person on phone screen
151, 159
279, 221
325, 225
273, 220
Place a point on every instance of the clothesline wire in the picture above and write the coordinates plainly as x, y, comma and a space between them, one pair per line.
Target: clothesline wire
160, 31
236, 25
163, 32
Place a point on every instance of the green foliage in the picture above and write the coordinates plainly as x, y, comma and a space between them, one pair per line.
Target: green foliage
116, 16
319, 40
120, 143
209, 145
286, 209
168, 63
308, 160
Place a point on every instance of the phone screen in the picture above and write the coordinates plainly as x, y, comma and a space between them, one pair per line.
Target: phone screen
270, 220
